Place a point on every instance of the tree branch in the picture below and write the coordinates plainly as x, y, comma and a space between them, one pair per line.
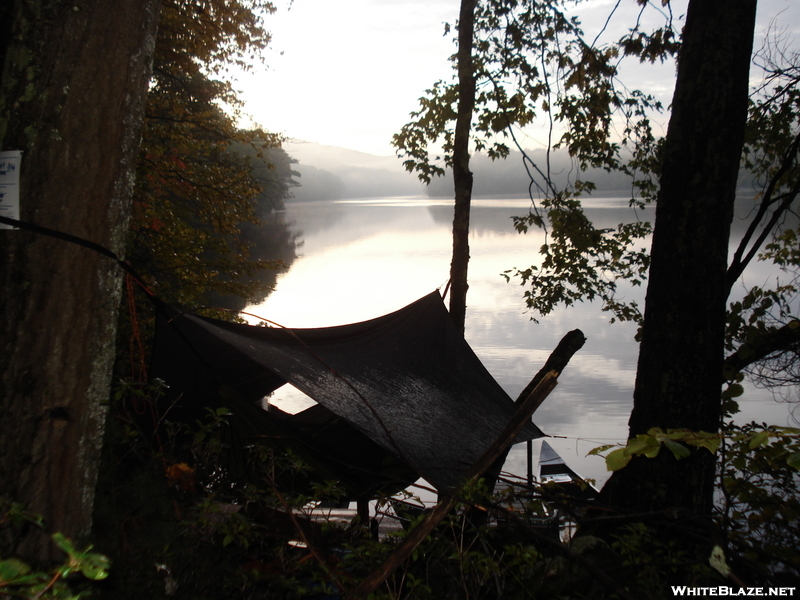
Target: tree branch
751, 352
738, 263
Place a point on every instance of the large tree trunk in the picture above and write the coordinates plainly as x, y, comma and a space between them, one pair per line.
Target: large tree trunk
681, 355
462, 176
74, 82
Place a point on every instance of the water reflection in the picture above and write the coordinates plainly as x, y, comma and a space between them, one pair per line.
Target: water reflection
361, 259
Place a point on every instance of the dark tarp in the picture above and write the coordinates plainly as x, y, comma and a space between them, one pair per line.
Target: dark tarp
407, 381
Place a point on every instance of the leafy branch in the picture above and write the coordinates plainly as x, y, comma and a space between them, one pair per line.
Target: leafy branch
19, 580
680, 442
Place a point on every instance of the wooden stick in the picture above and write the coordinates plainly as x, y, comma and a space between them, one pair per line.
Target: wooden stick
557, 361
423, 529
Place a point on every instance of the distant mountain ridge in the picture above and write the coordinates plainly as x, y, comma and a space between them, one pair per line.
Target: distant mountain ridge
334, 173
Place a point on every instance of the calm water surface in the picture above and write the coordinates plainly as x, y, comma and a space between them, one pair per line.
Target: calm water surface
364, 258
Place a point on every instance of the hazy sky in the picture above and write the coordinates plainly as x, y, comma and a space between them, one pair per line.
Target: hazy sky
348, 73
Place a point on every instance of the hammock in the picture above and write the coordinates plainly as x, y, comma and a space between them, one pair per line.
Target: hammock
399, 396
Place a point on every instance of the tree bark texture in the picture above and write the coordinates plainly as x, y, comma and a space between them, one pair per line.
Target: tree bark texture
462, 176
74, 82
681, 355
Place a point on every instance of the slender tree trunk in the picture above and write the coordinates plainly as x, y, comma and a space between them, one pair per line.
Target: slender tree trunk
462, 177
74, 82
681, 355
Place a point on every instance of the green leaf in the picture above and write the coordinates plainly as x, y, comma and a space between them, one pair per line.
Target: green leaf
652, 452
617, 459
645, 444
679, 434
730, 407
11, 569
94, 566
717, 561
91, 564
640, 444
227, 541
698, 439
64, 543
794, 460
759, 439
678, 450
711, 444
734, 390
600, 449
729, 483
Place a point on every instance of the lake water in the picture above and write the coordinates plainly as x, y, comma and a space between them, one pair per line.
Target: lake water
360, 259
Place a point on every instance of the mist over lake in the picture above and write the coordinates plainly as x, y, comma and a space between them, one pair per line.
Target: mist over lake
333, 173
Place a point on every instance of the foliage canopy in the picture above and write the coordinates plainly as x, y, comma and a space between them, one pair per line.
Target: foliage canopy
203, 184
537, 70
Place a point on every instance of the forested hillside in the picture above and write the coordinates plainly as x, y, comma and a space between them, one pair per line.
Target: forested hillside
203, 185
